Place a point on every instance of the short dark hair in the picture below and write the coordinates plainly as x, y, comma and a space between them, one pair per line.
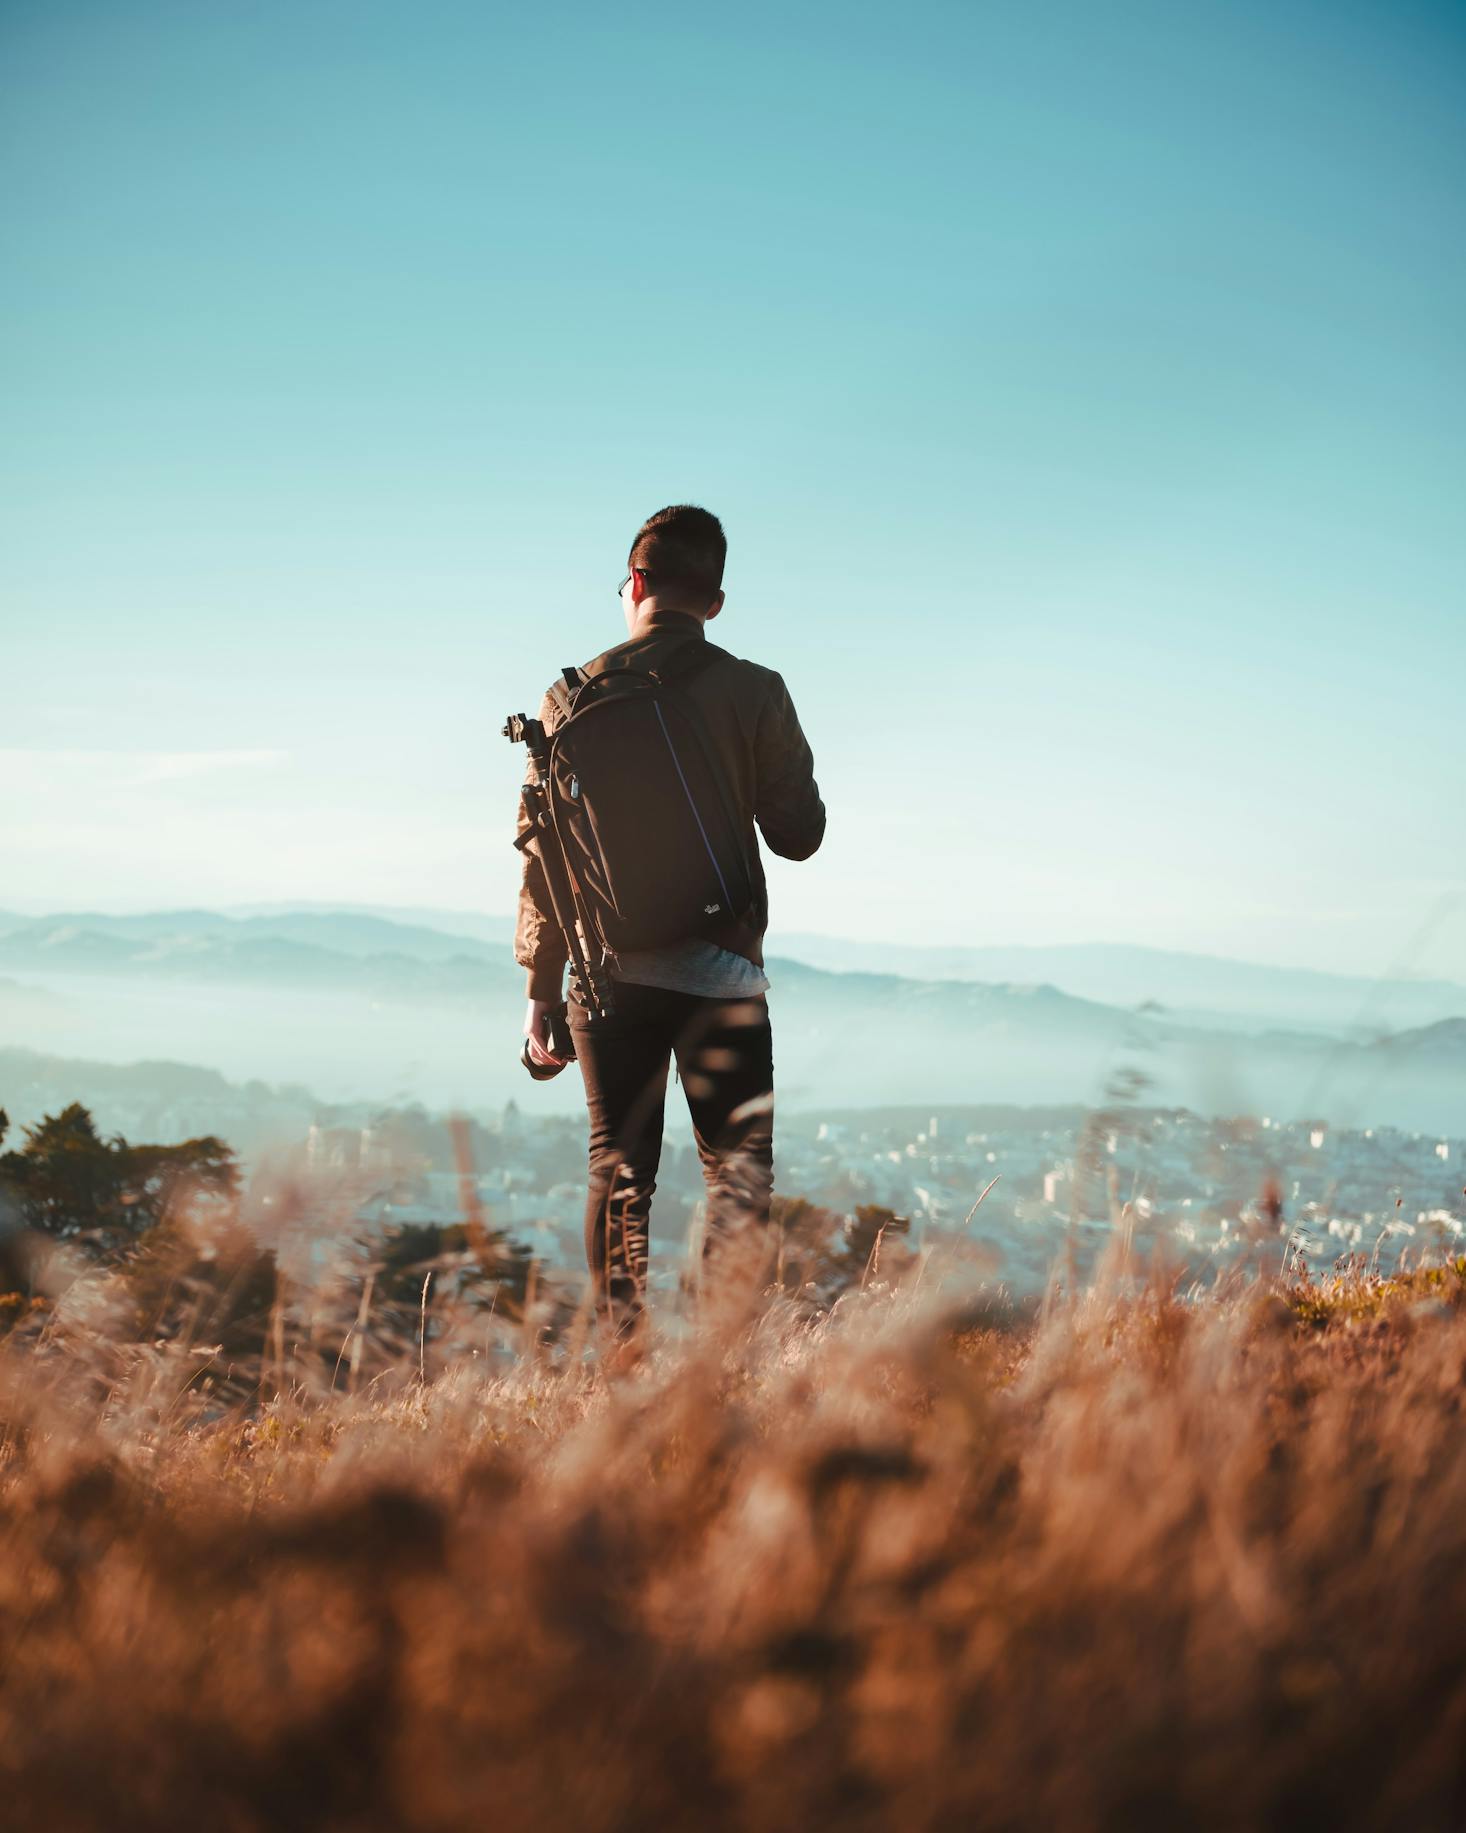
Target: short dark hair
683, 549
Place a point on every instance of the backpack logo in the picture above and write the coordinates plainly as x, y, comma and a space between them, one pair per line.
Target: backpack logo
711, 909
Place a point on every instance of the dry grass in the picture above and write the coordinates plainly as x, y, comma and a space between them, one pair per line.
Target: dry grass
1138, 1563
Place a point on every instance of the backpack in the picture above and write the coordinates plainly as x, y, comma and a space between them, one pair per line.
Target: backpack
641, 807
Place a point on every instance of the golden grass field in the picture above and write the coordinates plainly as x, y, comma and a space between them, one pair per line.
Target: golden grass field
1140, 1560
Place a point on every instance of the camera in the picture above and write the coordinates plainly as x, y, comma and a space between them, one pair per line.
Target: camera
555, 1036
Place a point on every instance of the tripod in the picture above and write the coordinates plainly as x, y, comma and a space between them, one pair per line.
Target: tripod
593, 984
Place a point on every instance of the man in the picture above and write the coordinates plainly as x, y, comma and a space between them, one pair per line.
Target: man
701, 1000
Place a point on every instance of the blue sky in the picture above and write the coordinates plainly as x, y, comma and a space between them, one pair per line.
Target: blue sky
1082, 389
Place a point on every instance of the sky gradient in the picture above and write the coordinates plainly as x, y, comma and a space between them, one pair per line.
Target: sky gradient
1082, 390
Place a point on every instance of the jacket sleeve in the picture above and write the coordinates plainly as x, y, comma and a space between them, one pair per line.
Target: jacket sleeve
787, 805
539, 946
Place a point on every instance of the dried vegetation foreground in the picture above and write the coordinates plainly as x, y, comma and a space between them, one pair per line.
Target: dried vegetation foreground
1137, 1562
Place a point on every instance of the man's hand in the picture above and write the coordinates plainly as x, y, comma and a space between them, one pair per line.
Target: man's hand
534, 1030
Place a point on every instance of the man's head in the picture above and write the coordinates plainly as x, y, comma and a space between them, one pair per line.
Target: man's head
676, 564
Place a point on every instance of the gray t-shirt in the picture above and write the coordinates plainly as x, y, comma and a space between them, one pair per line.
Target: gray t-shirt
693, 967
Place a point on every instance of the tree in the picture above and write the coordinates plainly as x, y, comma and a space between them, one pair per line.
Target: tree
215, 1286
14, 1260
823, 1254
68, 1182
483, 1269
875, 1244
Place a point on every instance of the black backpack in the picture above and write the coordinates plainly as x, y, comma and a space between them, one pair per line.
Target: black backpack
641, 807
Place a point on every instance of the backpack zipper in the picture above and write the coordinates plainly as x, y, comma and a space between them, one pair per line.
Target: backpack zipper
712, 856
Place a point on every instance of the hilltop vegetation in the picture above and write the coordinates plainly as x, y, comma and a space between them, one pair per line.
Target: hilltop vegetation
160, 1239
888, 1554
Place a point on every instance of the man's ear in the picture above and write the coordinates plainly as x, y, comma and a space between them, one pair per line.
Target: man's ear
714, 608
639, 586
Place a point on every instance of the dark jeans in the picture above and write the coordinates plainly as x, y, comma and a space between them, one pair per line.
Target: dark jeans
724, 1053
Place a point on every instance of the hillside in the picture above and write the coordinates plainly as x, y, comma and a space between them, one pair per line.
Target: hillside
926, 1563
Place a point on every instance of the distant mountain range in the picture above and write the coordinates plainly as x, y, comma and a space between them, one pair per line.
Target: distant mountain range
1191, 987
294, 949
161, 1101
364, 1006
205, 933
473, 924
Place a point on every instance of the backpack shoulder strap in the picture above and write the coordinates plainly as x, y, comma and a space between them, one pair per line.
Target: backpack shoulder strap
691, 659
566, 690
688, 660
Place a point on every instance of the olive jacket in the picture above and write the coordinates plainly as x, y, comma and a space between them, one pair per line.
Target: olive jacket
750, 721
